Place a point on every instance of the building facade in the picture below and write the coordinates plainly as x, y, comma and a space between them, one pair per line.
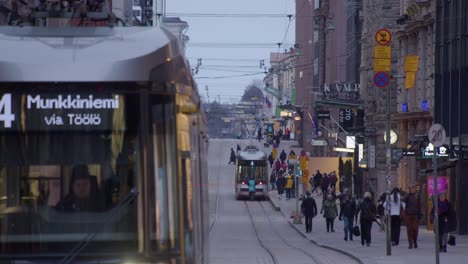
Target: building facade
305, 66
451, 80
378, 14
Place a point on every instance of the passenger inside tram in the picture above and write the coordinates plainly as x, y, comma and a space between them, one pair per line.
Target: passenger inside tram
82, 194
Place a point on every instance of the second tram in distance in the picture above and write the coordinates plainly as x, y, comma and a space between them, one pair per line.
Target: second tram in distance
251, 163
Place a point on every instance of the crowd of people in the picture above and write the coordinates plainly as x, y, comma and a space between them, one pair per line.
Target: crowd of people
404, 208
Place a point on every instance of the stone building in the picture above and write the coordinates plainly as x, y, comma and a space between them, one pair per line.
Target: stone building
378, 14
415, 102
305, 65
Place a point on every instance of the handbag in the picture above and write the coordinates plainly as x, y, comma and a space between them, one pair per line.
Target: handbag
356, 231
451, 240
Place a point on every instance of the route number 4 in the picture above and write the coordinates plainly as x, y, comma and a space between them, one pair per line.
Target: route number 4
5, 111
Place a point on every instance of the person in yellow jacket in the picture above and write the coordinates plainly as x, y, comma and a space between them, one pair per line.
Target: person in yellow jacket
288, 187
274, 152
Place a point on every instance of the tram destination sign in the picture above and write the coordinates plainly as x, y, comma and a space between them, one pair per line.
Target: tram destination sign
50, 112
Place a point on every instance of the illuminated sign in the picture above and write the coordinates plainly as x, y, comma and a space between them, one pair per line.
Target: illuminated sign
429, 151
44, 112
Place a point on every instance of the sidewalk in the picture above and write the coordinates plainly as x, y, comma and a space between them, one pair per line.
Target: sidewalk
376, 253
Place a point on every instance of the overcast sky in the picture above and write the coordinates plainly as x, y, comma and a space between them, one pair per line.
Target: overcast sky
206, 32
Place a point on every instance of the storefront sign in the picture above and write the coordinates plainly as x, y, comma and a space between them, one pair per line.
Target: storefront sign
342, 91
323, 114
346, 118
429, 151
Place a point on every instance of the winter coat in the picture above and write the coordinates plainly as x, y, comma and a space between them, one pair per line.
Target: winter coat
317, 179
333, 179
278, 165
413, 204
348, 208
280, 182
367, 209
395, 206
283, 156
289, 182
273, 177
309, 207
447, 218
329, 209
325, 181
274, 153
303, 162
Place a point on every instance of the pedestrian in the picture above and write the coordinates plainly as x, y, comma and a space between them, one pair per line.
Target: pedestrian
333, 180
317, 179
366, 212
309, 209
238, 148
330, 211
396, 206
277, 165
270, 159
381, 211
280, 184
347, 212
291, 158
446, 218
324, 184
283, 156
274, 151
412, 216
288, 187
273, 180
259, 134
233, 157
252, 188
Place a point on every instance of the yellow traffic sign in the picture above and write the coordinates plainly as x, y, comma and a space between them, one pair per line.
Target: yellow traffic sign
382, 52
383, 37
410, 79
382, 65
411, 63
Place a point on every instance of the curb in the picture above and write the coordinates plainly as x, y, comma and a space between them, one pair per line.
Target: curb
276, 207
327, 247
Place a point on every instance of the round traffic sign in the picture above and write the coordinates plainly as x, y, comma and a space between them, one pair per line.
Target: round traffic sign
383, 36
437, 135
381, 79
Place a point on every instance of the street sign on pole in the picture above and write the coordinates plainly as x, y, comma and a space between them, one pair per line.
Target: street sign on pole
437, 137
383, 37
381, 79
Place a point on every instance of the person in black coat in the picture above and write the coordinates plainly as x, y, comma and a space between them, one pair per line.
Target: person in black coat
280, 184
368, 212
309, 209
283, 156
446, 219
270, 159
347, 212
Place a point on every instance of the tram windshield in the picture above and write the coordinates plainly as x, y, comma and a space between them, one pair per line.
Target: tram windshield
67, 171
252, 169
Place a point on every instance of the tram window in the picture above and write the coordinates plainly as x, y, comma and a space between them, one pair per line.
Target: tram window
256, 172
61, 183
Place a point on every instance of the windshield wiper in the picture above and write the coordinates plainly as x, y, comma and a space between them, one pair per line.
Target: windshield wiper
76, 250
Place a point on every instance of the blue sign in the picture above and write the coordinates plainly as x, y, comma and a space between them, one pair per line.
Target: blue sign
404, 107
381, 79
425, 106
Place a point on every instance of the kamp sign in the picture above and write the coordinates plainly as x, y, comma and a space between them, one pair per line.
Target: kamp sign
381, 79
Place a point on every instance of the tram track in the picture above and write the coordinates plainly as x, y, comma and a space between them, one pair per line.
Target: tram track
213, 224
282, 237
257, 237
